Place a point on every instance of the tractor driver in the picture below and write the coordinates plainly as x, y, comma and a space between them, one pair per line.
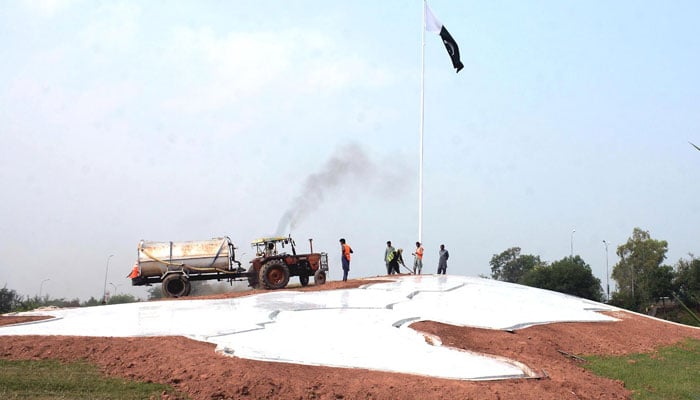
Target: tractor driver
269, 249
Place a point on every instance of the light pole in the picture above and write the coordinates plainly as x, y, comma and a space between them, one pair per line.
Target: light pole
104, 291
572, 243
115, 287
41, 287
607, 273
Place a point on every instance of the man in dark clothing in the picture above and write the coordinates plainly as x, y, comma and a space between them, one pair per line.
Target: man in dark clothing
442, 263
388, 254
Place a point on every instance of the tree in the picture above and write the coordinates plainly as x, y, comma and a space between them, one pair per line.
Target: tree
122, 298
9, 300
570, 275
510, 265
687, 280
91, 302
154, 293
31, 303
641, 279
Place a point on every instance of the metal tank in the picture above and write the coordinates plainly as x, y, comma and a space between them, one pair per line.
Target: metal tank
157, 258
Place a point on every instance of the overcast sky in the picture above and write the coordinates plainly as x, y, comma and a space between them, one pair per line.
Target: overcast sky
186, 120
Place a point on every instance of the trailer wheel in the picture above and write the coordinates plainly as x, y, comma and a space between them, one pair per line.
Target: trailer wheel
304, 280
274, 275
176, 285
320, 277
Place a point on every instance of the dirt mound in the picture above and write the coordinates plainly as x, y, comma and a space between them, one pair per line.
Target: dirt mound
193, 367
18, 319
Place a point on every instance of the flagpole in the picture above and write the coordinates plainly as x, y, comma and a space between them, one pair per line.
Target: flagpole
422, 123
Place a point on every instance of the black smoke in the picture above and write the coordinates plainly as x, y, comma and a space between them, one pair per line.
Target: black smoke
348, 164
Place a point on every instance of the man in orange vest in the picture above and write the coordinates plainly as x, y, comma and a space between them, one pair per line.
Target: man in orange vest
418, 262
345, 252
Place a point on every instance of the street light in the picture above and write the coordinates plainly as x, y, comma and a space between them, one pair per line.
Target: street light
104, 292
572, 243
607, 273
115, 287
41, 287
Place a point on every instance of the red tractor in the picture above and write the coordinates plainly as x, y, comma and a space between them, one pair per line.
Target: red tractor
273, 266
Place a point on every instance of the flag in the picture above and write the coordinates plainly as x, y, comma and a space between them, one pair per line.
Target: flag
433, 25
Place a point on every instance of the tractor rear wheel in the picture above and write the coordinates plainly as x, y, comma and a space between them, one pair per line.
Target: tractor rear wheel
274, 275
320, 277
176, 285
304, 280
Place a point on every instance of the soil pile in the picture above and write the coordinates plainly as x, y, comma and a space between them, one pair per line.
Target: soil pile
194, 368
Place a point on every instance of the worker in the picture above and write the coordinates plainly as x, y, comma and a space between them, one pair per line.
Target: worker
418, 261
345, 251
396, 259
388, 255
442, 262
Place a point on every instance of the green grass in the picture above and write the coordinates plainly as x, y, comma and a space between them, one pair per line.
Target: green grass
52, 380
671, 373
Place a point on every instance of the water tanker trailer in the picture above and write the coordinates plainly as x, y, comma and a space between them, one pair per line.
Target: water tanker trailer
176, 264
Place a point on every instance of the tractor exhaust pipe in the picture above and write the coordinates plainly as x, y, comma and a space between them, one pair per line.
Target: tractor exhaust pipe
311, 245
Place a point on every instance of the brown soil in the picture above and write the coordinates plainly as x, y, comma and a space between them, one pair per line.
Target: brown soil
193, 368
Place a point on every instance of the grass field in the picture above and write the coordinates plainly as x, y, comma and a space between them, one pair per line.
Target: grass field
52, 380
670, 373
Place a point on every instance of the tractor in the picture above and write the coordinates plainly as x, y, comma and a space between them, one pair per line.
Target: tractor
273, 266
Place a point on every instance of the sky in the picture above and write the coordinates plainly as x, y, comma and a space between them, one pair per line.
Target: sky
176, 121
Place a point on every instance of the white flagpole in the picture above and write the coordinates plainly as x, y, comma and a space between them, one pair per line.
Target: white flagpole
420, 148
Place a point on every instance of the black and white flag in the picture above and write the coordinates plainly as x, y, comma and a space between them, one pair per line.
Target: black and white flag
432, 24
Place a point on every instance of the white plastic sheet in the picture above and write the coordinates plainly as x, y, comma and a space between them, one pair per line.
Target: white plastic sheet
356, 328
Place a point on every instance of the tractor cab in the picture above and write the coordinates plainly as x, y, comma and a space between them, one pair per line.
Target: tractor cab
272, 246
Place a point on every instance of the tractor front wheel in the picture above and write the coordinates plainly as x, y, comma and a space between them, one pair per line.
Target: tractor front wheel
320, 277
274, 275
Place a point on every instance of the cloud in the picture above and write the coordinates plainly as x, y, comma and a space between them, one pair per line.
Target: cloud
113, 26
47, 8
239, 65
330, 73
63, 107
